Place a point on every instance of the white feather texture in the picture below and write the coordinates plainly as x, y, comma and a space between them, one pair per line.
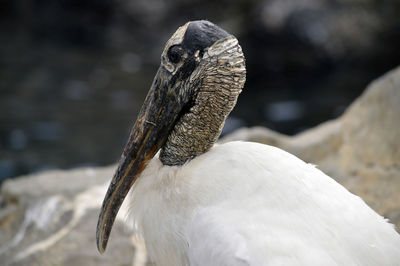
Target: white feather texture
245, 203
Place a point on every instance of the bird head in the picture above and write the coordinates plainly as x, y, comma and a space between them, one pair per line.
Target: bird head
202, 67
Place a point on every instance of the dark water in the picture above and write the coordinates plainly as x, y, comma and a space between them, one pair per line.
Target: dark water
74, 73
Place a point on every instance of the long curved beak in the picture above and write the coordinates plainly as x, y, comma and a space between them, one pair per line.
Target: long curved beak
153, 125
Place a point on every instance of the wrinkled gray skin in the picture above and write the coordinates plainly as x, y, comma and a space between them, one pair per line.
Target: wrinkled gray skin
217, 82
202, 72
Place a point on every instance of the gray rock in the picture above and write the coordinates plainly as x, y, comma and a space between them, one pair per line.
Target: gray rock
50, 218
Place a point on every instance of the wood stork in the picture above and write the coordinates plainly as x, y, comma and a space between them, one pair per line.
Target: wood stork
239, 203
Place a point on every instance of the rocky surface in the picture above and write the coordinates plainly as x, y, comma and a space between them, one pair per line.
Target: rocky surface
50, 218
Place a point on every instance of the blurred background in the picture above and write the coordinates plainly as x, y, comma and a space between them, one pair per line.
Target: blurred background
74, 73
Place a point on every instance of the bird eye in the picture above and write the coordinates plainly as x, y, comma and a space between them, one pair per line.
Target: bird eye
175, 54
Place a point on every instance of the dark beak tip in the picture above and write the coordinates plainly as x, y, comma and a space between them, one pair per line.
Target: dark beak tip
100, 241
101, 246
101, 250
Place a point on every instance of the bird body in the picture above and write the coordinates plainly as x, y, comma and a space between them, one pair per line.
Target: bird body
245, 203
239, 203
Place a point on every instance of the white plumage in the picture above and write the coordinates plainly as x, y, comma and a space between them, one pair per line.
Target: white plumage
244, 203
238, 203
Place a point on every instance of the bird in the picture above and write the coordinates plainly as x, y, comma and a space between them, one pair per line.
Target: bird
197, 202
